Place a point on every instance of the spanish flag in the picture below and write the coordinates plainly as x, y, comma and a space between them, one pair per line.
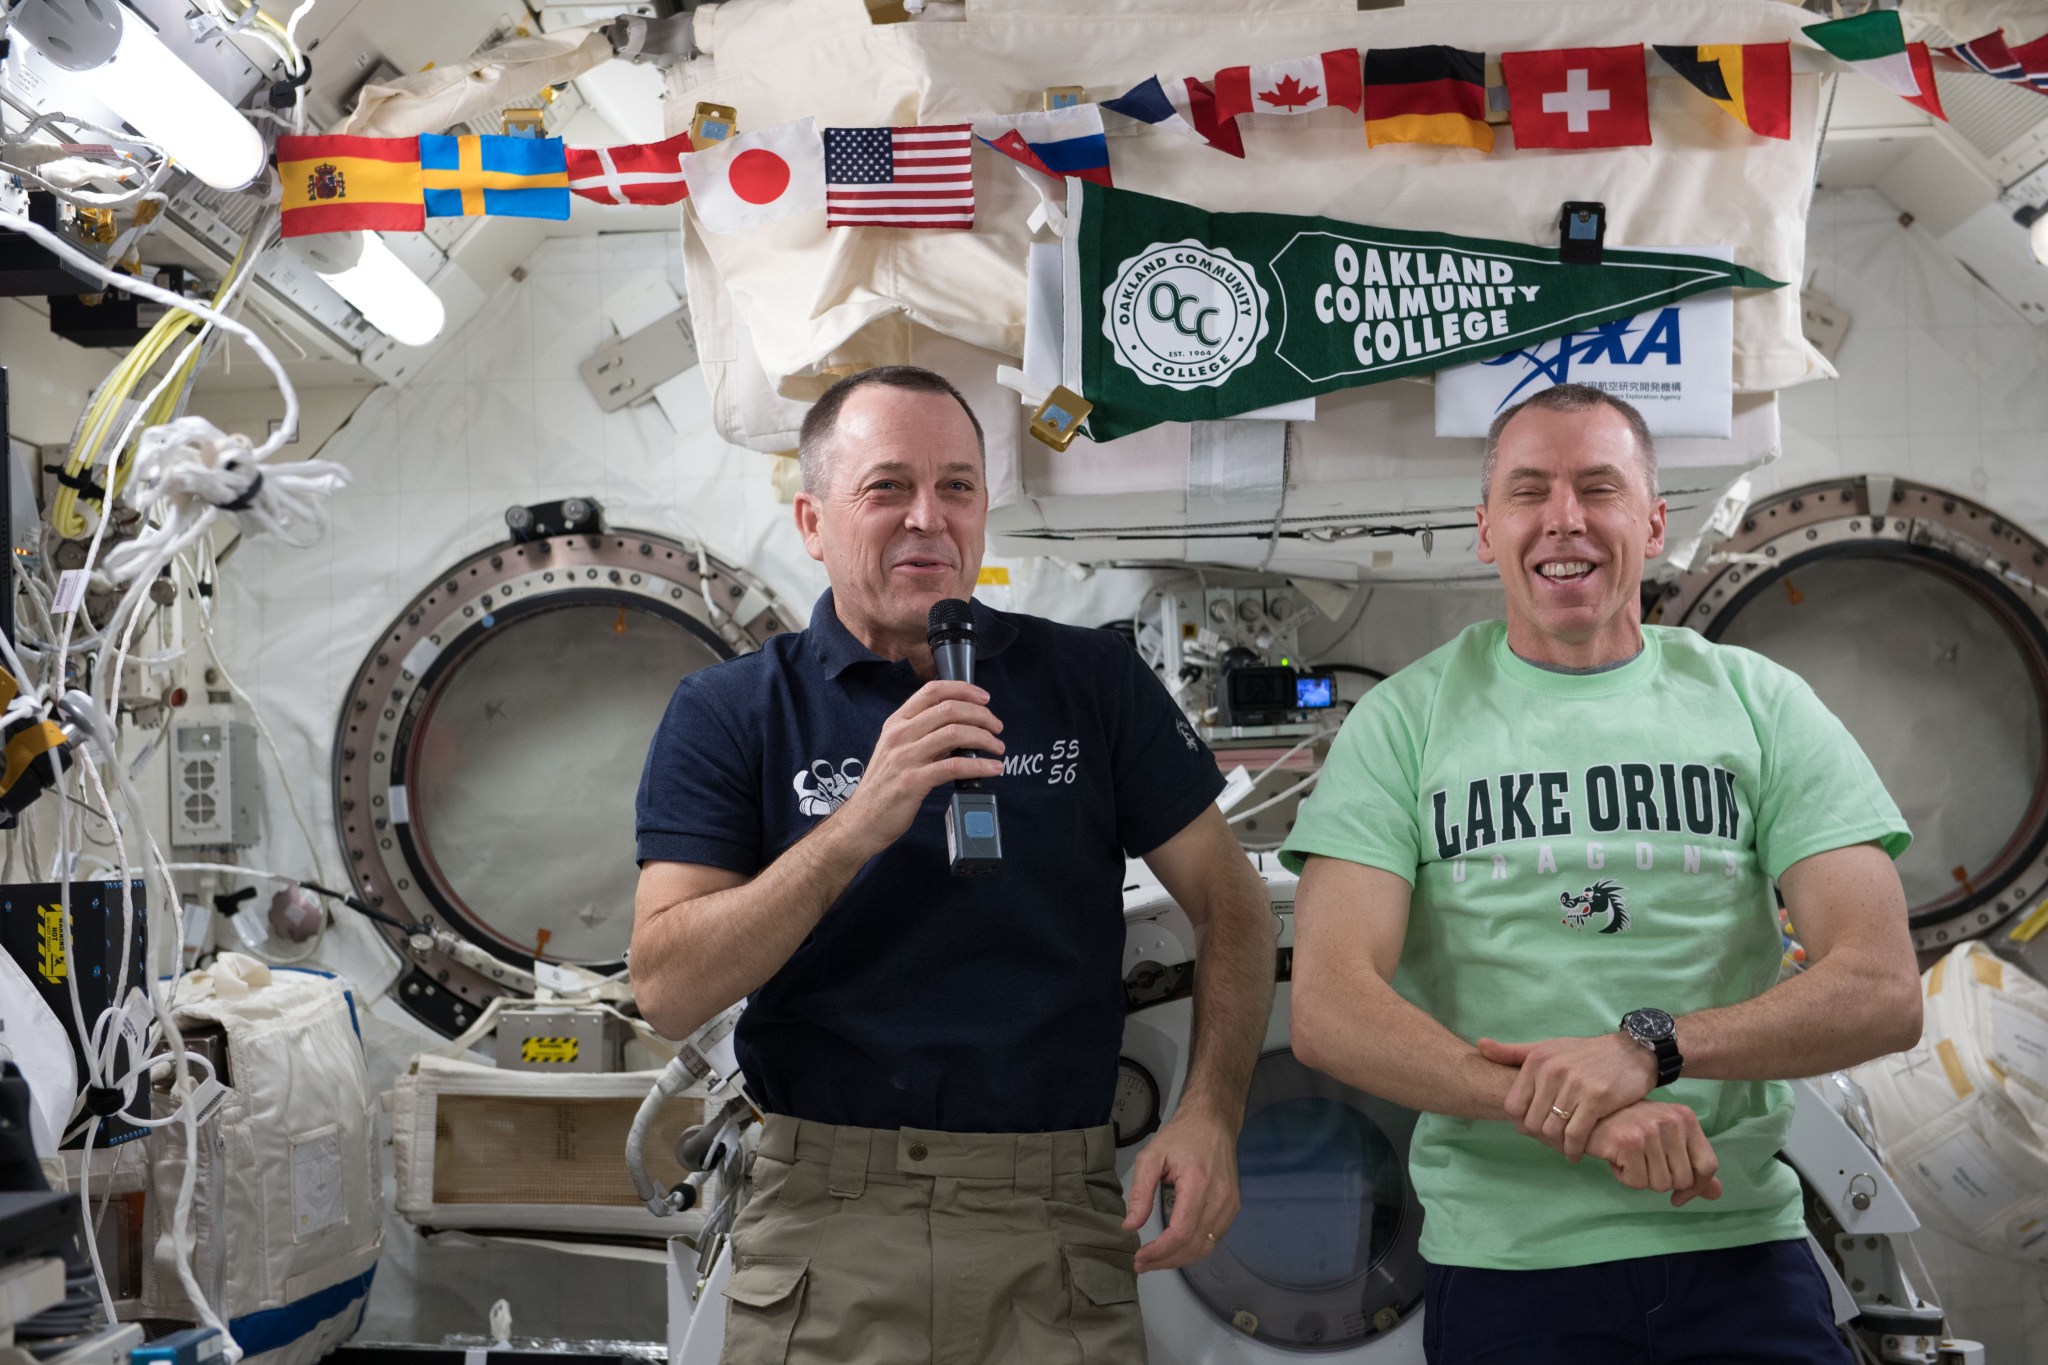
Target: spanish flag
1752, 81
1426, 94
349, 184
517, 177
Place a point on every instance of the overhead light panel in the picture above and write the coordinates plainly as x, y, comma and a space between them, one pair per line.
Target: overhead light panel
115, 56
362, 269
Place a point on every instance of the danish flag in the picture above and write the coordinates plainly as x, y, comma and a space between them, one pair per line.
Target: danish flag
637, 173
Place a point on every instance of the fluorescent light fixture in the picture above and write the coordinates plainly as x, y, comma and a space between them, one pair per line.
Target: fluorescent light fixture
366, 272
2037, 238
116, 57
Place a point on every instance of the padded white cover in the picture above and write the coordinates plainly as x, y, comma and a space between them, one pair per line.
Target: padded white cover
288, 1201
1962, 1116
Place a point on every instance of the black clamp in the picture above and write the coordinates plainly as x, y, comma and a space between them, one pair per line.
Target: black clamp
80, 482
284, 93
1581, 233
247, 497
103, 1101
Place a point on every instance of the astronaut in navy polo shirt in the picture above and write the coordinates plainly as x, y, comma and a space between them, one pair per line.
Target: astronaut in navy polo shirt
937, 1054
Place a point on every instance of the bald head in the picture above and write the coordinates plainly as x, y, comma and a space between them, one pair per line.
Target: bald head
1568, 398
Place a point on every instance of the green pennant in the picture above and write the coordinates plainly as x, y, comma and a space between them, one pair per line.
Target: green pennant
1175, 314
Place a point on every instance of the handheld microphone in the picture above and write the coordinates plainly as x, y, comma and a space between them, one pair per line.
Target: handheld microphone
974, 841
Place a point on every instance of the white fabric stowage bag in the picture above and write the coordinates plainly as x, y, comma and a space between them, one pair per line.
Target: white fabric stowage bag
1963, 1116
287, 1213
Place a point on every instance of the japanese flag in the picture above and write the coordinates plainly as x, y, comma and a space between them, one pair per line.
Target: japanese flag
756, 178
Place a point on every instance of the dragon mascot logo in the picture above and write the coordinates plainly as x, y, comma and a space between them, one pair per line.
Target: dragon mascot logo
1601, 901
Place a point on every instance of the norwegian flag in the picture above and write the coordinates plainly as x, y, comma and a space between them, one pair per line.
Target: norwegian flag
2025, 65
900, 177
637, 173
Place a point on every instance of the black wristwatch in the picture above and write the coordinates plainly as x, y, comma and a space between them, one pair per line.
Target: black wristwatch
1654, 1029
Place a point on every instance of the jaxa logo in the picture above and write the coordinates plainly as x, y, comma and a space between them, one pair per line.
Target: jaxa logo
1601, 901
1187, 736
822, 789
1606, 344
326, 182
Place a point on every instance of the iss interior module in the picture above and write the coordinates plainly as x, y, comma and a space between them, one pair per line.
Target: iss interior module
1921, 619
531, 669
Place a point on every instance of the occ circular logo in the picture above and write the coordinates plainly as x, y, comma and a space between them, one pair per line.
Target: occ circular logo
1184, 315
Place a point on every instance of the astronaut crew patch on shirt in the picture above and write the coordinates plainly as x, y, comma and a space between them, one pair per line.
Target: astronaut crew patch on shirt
1696, 802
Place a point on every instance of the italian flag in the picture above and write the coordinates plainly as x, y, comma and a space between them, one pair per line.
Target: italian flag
1875, 44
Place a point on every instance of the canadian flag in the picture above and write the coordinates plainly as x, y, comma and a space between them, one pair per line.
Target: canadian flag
637, 173
1299, 86
756, 178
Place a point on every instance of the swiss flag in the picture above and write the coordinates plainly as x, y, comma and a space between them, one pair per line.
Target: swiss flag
1578, 97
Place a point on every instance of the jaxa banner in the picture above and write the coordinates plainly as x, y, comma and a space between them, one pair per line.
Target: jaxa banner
1674, 364
1175, 314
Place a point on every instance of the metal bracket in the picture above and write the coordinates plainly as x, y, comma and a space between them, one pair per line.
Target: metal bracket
628, 369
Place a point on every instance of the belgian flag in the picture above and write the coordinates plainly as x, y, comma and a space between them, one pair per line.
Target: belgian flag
1752, 81
1426, 94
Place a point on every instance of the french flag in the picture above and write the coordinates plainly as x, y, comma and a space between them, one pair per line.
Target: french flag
1058, 142
1185, 105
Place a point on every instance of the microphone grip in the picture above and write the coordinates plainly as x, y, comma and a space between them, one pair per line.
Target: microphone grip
954, 660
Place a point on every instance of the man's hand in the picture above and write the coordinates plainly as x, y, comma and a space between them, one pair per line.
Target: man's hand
1586, 1078
1657, 1146
1196, 1153
915, 754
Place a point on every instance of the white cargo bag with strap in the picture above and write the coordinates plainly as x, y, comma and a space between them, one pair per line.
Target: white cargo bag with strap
1963, 1116
287, 1216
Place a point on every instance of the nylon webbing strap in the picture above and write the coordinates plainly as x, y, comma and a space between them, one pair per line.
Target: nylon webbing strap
1237, 471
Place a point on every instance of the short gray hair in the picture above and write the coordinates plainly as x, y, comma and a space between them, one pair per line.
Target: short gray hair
1572, 398
814, 441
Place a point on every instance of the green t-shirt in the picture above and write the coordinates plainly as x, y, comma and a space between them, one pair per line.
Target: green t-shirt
1582, 845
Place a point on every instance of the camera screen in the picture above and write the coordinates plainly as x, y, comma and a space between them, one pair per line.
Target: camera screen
1312, 693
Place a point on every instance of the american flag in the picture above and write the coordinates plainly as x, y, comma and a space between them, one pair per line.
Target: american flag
2024, 65
900, 177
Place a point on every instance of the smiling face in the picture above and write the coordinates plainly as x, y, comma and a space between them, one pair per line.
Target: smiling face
1569, 521
901, 519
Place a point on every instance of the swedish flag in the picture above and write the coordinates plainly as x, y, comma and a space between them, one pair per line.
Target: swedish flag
518, 177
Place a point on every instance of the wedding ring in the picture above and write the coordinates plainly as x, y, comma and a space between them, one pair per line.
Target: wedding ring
1564, 1114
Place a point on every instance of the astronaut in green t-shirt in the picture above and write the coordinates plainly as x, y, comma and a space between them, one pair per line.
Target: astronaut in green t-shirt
1536, 905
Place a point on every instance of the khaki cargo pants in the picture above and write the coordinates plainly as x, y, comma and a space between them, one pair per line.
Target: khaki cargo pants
865, 1246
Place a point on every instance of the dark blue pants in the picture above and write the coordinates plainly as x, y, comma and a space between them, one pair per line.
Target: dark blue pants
1761, 1303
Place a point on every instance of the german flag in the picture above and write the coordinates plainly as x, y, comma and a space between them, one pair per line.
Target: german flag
1752, 81
1426, 94
348, 184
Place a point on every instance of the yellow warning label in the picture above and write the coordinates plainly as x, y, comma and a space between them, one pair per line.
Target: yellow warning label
994, 575
556, 1051
50, 942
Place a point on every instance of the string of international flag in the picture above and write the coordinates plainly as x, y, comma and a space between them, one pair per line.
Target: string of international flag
921, 177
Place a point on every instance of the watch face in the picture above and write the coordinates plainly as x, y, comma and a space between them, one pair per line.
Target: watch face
1651, 1026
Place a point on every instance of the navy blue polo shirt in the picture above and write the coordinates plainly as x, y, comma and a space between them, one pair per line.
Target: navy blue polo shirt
990, 1004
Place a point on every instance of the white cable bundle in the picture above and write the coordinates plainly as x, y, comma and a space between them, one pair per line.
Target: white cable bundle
195, 472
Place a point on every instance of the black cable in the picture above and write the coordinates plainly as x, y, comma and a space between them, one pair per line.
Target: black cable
361, 908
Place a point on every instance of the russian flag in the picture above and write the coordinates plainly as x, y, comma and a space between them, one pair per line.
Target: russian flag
1184, 105
1058, 142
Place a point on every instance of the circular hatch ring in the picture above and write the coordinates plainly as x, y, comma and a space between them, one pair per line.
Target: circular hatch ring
717, 610
1999, 568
